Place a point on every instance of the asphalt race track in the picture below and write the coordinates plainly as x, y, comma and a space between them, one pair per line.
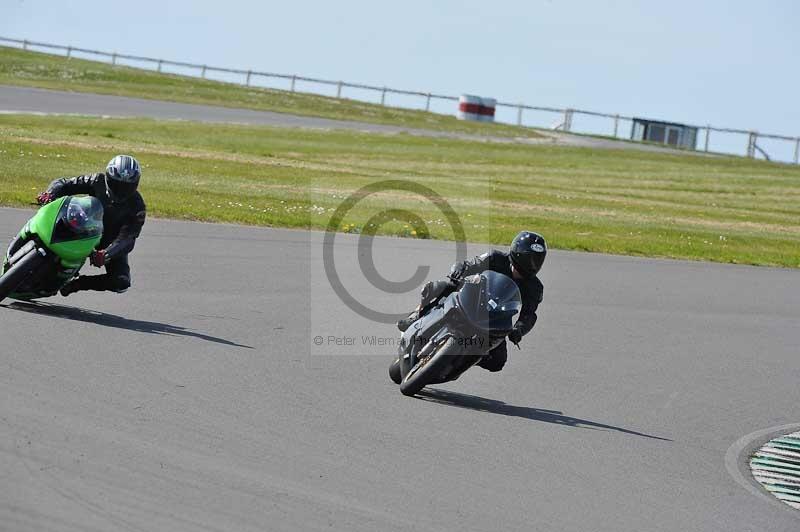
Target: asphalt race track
199, 401
44, 101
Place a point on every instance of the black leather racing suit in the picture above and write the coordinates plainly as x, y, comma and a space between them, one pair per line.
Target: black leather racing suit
531, 291
122, 224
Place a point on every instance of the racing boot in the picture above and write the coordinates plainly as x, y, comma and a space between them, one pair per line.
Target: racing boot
70, 288
495, 359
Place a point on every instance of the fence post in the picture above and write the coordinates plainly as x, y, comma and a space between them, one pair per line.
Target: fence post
114, 58
383, 96
428, 102
708, 134
159, 65
797, 151
567, 119
519, 115
751, 144
203, 72
25, 44
616, 125
69, 51
294, 79
339, 90
249, 73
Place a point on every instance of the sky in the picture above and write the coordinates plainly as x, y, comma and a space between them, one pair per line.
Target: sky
726, 63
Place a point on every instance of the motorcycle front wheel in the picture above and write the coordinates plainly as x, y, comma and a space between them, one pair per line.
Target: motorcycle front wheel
428, 370
20, 272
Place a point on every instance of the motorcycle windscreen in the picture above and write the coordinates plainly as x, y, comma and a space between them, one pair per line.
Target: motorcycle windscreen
490, 301
79, 218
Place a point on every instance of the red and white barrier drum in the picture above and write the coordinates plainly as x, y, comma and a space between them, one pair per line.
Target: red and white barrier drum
476, 108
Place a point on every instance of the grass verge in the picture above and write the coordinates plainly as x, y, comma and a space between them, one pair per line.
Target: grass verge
33, 69
615, 201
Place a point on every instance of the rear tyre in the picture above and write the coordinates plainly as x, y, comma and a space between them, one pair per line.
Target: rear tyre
394, 371
428, 372
20, 272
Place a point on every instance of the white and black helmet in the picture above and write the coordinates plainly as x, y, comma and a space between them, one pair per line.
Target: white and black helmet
122, 177
528, 251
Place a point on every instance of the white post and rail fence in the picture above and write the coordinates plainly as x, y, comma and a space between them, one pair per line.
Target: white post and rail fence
467, 107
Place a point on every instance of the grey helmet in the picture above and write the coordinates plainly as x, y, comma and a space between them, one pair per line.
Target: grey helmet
122, 177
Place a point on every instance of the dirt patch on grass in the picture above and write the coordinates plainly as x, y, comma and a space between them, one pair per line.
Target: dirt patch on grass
190, 154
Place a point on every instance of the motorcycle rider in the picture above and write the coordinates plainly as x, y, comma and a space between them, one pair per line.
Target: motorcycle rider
522, 263
123, 217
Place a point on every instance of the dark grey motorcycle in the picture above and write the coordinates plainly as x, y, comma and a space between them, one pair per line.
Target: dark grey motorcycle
455, 332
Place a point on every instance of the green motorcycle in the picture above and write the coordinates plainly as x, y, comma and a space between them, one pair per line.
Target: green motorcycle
52, 248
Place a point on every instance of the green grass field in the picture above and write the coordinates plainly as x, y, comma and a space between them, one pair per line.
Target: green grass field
33, 69
615, 201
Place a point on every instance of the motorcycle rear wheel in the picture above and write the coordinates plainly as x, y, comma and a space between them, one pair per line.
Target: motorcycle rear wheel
394, 371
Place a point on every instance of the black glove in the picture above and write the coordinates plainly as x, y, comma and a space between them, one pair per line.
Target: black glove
515, 336
457, 272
